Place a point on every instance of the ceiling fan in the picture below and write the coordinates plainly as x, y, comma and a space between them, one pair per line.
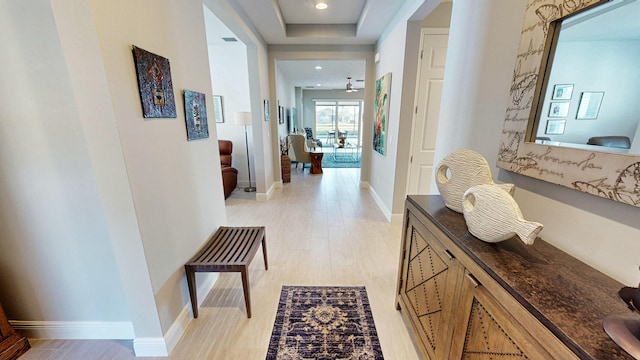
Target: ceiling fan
350, 86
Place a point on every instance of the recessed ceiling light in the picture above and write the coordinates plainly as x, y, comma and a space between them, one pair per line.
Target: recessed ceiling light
318, 67
321, 6
318, 85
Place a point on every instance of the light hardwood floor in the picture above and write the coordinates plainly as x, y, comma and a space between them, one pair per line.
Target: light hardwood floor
321, 230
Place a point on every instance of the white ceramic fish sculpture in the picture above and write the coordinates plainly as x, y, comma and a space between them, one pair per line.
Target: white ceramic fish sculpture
460, 170
492, 215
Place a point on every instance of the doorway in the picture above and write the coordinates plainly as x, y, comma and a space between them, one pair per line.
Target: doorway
433, 51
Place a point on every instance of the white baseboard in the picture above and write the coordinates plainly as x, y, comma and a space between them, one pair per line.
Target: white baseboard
364, 185
148, 347
181, 323
92, 330
75, 329
178, 328
266, 196
380, 203
397, 218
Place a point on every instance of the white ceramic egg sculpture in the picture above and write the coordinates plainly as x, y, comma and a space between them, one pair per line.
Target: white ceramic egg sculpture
492, 215
460, 170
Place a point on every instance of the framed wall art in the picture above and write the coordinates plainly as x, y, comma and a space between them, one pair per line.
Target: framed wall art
218, 109
381, 111
562, 92
555, 127
559, 109
195, 112
154, 83
267, 112
280, 114
589, 107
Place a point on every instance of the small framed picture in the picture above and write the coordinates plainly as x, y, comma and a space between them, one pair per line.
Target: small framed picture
562, 92
195, 112
267, 112
280, 115
555, 127
589, 107
559, 109
218, 110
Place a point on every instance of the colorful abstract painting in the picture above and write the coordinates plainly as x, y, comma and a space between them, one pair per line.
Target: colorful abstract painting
154, 83
195, 114
381, 111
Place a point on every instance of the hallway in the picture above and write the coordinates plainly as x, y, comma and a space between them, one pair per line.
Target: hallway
321, 230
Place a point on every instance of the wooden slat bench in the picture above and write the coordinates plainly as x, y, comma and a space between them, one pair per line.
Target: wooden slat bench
231, 249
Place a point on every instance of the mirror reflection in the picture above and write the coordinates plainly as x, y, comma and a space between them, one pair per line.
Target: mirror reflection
591, 95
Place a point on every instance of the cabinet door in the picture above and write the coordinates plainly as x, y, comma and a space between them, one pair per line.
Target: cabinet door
427, 288
485, 329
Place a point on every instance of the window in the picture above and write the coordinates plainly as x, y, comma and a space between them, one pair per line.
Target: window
335, 118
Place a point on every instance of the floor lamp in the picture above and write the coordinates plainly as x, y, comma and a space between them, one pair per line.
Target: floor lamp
244, 118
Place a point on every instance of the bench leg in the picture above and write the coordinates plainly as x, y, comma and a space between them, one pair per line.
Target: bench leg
245, 287
193, 294
264, 252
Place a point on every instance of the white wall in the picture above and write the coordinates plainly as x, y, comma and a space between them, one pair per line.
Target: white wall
56, 258
483, 39
611, 68
286, 97
383, 175
230, 79
264, 143
175, 184
101, 207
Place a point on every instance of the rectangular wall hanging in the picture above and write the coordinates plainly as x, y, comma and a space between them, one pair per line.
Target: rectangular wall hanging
154, 82
555, 127
562, 92
280, 114
218, 109
559, 109
195, 112
589, 105
267, 112
381, 111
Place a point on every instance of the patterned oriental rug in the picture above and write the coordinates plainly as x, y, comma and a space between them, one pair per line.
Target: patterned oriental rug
322, 323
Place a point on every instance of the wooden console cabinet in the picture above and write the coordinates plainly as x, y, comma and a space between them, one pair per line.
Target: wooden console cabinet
12, 344
464, 298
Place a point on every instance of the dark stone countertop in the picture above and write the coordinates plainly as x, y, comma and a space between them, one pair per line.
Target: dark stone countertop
566, 295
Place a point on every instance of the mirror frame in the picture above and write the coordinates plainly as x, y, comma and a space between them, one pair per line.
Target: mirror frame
608, 175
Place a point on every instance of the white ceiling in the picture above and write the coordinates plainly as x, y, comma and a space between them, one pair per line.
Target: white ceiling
333, 74
344, 22
298, 22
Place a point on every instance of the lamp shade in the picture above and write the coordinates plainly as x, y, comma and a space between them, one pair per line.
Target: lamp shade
243, 118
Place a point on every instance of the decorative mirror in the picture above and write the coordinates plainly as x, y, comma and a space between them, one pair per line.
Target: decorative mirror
573, 122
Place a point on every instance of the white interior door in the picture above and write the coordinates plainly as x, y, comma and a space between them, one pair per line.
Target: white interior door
433, 51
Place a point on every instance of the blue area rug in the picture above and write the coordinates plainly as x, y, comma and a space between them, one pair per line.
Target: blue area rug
328, 162
324, 322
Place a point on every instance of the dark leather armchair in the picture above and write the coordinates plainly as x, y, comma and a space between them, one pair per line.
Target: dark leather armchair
229, 173
621, 142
